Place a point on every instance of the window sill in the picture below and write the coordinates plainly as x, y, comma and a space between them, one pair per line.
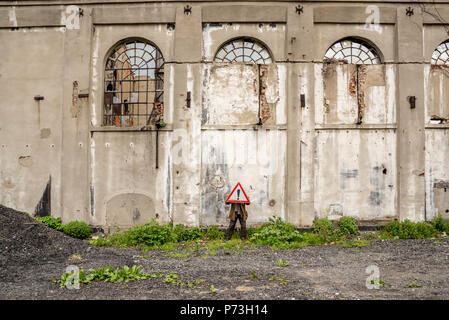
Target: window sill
168, 127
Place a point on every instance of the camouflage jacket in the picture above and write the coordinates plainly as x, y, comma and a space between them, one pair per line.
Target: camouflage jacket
232, 214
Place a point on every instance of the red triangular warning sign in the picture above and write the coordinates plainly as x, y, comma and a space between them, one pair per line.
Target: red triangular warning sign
238, 195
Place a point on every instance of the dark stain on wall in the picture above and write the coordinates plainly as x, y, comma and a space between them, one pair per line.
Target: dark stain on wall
43, 208
375, 198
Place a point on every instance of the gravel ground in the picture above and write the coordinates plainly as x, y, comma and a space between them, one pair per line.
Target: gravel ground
32, 254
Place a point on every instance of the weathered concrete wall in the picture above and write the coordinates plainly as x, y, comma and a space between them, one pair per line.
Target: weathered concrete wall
30, 130
362, 167
306, 139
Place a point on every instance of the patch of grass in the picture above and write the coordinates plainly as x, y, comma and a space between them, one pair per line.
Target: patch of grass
282, 263
233, 244
378, 281
254, 275
155, 275
191, 284
170, 246
209, 253
414, 284
282, 279
212, 289
172, 278
178, 255
355, 243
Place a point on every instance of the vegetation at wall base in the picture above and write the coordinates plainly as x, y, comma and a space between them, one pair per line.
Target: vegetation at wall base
410, 230
78, 229
276, 234
54, 223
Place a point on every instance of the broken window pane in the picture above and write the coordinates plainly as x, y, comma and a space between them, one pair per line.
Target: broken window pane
243, 50
354, 51
441, 54
134, 85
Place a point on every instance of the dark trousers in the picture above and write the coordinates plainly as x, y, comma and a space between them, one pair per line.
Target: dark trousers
231, 227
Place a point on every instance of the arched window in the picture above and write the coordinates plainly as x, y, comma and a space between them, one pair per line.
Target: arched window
243, 50
134, 85
354, 51
441, 54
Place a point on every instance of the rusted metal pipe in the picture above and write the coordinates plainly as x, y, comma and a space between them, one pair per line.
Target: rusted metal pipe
157, 146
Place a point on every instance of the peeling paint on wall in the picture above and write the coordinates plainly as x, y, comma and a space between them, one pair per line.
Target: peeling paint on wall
75, 110
356, 160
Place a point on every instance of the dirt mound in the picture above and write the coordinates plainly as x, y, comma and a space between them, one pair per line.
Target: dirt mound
25, 241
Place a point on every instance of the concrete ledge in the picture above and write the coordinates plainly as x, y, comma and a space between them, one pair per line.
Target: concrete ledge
437, 126
31, 17
134, 15
244, 13
243, 127
168, 127
351, 15
356, 127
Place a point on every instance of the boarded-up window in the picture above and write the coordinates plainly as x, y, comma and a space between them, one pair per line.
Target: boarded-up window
356, 86
438, 102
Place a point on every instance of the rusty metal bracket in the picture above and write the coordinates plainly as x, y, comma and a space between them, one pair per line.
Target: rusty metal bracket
299, 9
188, 99
409, 11
303, 100
412, 101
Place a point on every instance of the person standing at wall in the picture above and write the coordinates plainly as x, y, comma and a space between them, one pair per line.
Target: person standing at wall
238, 211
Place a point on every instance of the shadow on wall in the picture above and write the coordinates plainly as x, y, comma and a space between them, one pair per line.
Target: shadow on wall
43, 208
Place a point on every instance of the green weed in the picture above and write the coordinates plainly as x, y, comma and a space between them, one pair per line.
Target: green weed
172, 278
410, 230
191, 284
282, 263
179, 255
77, 229
274, 233
355, 243
282, 279
378, 281
213, 233
54, 223
212, 289
348, 226
414, 284
107, 274
325, 229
